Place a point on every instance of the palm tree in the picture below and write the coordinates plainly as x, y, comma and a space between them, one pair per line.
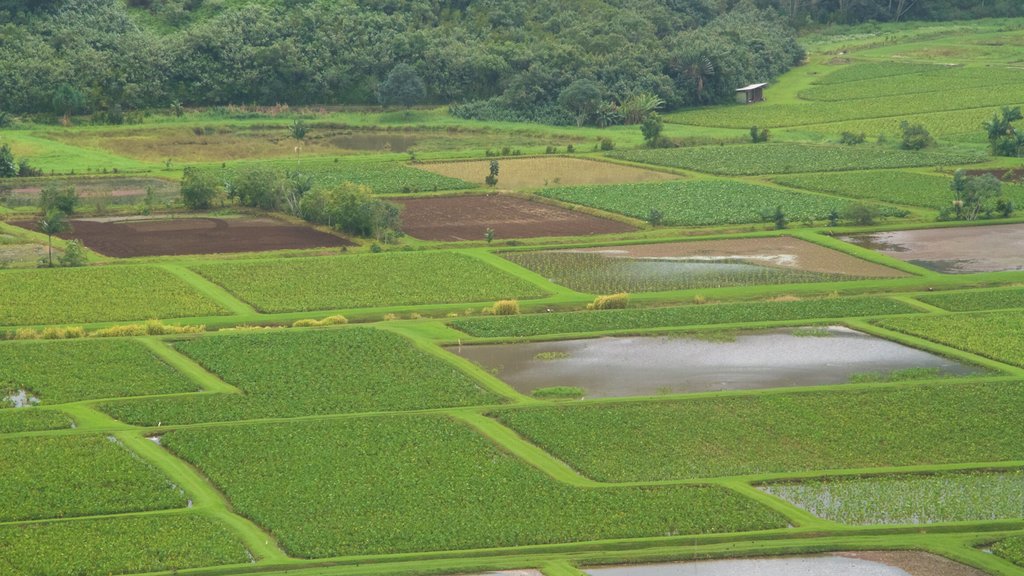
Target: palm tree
52, 224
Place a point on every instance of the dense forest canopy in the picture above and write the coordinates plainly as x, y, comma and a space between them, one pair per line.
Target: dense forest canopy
558, 61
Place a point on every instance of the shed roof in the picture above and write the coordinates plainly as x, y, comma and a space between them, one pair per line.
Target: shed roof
752, 87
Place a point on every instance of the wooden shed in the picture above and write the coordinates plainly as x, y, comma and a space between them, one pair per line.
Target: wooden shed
753, 93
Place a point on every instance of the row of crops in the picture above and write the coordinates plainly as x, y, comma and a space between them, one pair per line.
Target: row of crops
785, 158
431, 483
704, 202
303, 373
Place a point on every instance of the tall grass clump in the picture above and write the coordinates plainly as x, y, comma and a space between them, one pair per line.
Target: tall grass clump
610, 302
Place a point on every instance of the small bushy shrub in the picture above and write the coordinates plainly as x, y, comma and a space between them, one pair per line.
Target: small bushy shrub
610, 302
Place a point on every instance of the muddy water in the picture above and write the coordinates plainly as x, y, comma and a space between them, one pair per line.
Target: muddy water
841, 564
20, 399
952, 250
650, 365
374, 142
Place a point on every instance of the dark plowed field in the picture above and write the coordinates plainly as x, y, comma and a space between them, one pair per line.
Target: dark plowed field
468, 217
178, 236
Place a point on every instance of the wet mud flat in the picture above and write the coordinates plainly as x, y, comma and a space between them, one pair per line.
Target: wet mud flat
883, 563
652, 365
965, 250
131, 237
455, 218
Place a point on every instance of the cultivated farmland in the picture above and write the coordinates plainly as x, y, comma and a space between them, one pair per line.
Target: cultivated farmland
751, 159
667, 348
684, 203
362, 281
528, 173
97, 295
487, 498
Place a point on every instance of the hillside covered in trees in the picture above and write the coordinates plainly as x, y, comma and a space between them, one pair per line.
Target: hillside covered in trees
556, 61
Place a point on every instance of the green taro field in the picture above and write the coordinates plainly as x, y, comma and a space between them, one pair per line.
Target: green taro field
310, 410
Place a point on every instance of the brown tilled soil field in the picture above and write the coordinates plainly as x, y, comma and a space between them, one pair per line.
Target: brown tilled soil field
178, 236
526, 173
454, 218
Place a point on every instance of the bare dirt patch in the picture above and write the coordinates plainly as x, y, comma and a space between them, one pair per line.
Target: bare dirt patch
993, 248
525, 173
456, 218
780, 252
179, 236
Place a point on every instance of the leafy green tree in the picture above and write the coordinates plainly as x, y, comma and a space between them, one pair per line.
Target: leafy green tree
651, 129
1002, 137
915, 136
351, 208
402, 87
262, 188
977, 195
61, 198
67, 100
198, 189
492, 176
582, 99
74, 255
54, 223
8, 168
299, 130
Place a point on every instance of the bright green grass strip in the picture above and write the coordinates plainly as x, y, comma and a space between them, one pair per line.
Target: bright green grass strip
906, 188
596, 273
383, 177
929, 79
774, 433
1011, 549
640, 318
783, 158
689, 202
64, 476
72, 370
407, 484
976, 300
872, 71
299, 373
367, 280
995, 335
126, 545
787, 114
110, 293
29, 420
910, 498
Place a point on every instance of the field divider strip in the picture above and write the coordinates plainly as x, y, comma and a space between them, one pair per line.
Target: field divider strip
796, 515
923, 306
938, 348
492, 259
485, 379
625, 551
187, 366
512, 442
70, 519
204, 494
562, 568
211, 290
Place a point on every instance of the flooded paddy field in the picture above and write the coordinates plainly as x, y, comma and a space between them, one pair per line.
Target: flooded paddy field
128, 237
952, 250
695, 265
651, 365
899, 563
